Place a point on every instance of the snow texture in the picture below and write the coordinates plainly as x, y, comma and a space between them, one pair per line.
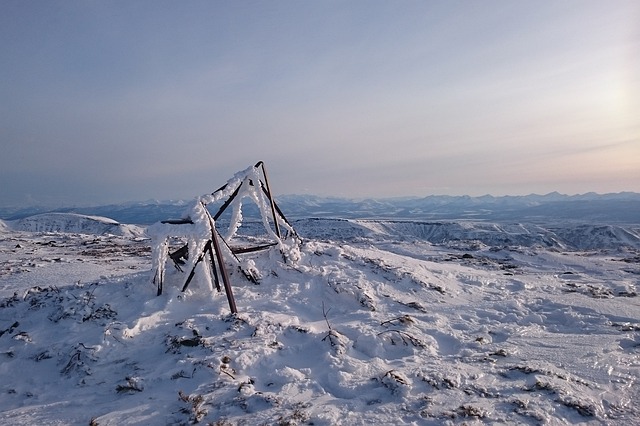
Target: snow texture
376, 322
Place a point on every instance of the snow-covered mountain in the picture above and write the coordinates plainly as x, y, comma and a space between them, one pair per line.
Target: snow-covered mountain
73, 223
569, 236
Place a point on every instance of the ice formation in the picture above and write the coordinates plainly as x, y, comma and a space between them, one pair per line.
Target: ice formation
199, 236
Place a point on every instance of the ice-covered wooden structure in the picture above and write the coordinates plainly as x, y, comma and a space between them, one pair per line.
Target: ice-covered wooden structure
202, 243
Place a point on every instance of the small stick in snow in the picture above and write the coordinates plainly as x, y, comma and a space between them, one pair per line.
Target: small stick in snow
324, 314
222, 370
414, 341
404, 319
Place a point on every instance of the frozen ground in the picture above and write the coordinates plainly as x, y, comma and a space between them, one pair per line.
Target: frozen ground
377, 323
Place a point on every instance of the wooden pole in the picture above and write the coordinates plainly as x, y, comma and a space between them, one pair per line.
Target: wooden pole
273, 207
214, 271
223, 270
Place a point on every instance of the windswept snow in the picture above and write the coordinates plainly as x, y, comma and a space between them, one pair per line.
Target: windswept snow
376, 323
52, 258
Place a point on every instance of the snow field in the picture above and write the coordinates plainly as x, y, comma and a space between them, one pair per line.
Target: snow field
380, 331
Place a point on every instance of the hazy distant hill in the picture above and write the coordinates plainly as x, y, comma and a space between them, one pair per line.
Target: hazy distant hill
621, 207
142, 213
72, 223
608, 208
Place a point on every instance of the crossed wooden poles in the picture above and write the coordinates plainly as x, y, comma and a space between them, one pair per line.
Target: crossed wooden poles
212, 249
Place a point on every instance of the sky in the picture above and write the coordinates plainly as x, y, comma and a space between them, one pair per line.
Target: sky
113, 101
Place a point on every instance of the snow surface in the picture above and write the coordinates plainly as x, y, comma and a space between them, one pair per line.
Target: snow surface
378, 322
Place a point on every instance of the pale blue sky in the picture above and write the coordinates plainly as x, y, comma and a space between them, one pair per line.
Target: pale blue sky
109, 101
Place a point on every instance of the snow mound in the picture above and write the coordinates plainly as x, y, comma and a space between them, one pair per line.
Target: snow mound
75, 223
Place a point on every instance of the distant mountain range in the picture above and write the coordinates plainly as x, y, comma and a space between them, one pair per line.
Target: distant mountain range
460, 235
617, 208
621, 207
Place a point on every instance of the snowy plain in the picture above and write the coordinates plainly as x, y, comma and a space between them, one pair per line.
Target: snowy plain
380, 322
